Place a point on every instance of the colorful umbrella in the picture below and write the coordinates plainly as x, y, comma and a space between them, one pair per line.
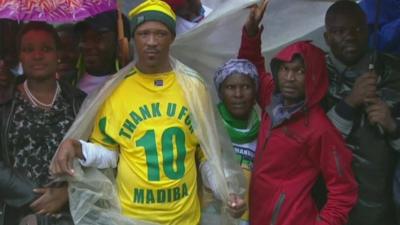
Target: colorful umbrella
56, 11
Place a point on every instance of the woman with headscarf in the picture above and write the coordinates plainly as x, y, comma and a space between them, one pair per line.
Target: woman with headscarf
237, 83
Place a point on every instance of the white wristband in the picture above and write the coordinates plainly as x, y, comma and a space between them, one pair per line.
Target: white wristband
98, 156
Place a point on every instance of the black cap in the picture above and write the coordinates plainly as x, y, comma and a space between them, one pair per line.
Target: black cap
104, 22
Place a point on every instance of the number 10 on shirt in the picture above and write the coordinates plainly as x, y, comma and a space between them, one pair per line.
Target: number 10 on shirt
170, 137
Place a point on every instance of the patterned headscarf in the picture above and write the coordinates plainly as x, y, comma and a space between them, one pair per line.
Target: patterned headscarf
235, 66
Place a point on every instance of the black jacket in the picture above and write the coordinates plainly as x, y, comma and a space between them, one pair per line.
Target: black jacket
374, 155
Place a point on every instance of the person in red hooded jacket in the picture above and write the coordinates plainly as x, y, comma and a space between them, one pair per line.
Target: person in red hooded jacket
296, 142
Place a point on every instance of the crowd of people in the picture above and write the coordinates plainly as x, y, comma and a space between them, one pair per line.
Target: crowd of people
316, 138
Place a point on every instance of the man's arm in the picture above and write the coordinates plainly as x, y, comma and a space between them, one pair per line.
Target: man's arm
250, 49
334, 160
62, 163
54, 199
99, 154
236, 204
95, 155
343, 113
387, 120
89, 155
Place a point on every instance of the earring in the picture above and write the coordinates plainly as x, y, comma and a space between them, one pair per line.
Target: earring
59, 61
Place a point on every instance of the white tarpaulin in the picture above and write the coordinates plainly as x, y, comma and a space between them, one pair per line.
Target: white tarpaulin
217, 38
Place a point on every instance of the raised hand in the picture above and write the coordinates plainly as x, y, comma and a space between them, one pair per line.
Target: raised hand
255, 16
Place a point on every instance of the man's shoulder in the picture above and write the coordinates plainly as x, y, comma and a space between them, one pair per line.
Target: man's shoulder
123, 89
132, 72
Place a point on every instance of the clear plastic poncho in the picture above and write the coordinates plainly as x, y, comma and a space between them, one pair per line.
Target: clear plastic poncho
92, 193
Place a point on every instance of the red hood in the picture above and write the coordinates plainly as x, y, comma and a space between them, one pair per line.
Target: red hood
316, 80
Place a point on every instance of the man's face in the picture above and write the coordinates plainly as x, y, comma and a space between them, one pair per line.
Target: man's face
99, 50
69, 53
291, 76
347, 37
38, 54
152, 41
238, 95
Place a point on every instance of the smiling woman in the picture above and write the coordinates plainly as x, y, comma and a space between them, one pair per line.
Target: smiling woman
38, 55
35, 118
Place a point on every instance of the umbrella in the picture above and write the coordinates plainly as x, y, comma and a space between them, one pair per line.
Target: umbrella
53, 11
62, 11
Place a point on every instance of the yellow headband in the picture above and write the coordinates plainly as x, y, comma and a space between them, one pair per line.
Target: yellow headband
153, 10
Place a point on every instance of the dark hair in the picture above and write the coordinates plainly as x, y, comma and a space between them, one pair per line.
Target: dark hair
276, 63
37, 26
345, 7
8, 44
106, 21
298, 57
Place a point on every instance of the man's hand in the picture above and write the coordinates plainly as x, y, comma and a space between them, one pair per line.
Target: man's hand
364, 87
51, 200
379, 113
255, 17
236, 205
63, 159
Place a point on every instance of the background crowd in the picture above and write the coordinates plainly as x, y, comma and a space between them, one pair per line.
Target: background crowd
316, 138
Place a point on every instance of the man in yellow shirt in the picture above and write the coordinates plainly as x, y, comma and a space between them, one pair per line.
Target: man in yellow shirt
145, 130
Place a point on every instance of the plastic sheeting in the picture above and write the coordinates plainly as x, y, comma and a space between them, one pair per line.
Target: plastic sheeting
217, 38
92, 194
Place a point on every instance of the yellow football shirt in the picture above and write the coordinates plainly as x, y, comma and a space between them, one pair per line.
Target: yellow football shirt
147, 120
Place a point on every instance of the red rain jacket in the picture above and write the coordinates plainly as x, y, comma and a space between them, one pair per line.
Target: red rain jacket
290, 157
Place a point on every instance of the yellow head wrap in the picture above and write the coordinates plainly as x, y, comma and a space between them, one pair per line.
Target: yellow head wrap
153, 10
